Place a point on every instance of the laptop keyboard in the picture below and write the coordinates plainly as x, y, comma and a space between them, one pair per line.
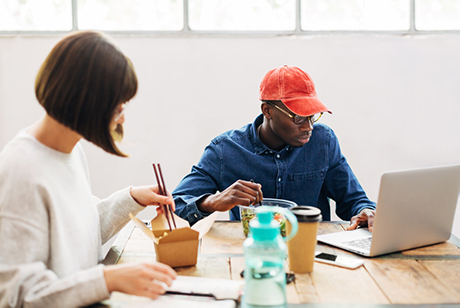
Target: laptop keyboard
364, 243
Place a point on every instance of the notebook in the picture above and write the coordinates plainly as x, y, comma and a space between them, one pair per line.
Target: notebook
414, 208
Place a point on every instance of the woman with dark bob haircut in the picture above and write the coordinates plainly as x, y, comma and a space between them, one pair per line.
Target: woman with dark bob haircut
51, 226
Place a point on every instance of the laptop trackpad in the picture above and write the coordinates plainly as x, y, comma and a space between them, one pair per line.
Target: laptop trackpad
345, 236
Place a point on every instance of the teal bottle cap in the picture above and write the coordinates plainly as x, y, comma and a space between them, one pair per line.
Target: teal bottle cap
264, 228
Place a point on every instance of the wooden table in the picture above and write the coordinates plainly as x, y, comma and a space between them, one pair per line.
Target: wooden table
427, 275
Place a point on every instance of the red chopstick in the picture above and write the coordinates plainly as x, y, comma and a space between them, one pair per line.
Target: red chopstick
161, 186
165, 194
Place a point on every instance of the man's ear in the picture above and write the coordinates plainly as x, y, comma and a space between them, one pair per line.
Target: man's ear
265, 108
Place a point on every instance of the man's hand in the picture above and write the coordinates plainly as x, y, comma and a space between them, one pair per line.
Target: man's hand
239, 193
364, 218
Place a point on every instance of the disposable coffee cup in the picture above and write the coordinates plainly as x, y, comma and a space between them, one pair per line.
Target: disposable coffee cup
301, 248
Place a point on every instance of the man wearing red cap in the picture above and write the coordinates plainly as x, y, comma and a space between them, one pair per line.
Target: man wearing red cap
285, 151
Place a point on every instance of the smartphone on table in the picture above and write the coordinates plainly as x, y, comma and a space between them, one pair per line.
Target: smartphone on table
342, 261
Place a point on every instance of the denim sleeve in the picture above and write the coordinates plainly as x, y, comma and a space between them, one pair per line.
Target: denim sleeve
342, 186
201, 182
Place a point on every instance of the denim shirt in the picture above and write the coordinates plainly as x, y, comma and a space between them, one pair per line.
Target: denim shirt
308, 175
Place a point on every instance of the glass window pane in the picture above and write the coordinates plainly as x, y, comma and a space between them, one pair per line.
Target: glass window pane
374, 15
242, 15
128, 15
437, 14
34, 15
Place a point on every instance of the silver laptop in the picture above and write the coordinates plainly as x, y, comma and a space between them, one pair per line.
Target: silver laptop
414, 208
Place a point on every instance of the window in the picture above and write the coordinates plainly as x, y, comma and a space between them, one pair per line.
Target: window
242, 15
437, 14
43, 15
299, 17
384, 15
131, 15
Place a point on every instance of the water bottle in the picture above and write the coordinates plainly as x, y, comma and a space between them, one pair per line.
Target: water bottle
265, 253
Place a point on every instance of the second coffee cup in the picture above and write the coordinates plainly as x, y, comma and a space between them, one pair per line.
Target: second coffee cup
301, 249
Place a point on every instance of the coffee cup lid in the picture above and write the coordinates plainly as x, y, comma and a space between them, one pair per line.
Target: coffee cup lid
305, 213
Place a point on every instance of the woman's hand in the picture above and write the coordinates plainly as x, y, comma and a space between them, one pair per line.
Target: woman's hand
150, 195
143, 279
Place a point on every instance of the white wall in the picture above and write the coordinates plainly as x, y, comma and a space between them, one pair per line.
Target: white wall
395, 99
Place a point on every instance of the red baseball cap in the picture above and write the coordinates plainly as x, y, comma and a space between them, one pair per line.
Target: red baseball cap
294, 88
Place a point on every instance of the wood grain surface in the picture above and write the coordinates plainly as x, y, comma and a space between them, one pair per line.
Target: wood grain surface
426, 275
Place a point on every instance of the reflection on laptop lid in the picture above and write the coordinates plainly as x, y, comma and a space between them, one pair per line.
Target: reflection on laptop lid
414, 208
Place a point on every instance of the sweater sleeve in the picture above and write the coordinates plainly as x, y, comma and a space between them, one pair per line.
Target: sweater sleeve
50, 227
114, 212
28, 283
32, 285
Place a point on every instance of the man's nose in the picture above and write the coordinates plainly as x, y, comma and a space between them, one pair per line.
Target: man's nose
306, 126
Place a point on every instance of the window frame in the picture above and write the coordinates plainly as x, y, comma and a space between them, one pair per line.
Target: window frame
186, 31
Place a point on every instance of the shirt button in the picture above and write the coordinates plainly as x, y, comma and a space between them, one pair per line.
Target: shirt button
279, 179
277, 156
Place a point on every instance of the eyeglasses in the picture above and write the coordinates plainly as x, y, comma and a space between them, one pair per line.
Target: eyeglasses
299, 120
119, 113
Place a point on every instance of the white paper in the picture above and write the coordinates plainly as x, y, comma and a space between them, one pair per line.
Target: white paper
220, 288
166, 301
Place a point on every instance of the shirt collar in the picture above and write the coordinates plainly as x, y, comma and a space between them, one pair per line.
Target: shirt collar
259, 146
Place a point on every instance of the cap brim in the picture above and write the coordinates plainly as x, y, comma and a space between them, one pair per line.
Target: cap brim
305, 106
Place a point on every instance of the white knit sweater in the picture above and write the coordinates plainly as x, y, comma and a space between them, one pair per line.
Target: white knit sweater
52, 227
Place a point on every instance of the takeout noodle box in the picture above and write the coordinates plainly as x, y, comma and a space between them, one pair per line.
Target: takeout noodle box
178, 247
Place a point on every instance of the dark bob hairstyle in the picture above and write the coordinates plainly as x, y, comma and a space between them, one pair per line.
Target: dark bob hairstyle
82, 82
